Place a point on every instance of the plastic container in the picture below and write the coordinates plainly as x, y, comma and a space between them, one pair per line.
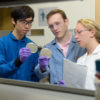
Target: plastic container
97, 80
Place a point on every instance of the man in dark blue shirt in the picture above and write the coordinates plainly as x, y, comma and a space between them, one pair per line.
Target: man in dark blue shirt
16, 60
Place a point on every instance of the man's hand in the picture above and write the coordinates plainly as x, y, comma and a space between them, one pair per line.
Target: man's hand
24, 53
61, 83
43, 62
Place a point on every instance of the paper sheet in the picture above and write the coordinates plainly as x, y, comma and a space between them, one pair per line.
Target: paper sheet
74, 75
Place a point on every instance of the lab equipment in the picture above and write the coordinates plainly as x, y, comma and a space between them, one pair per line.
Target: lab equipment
33, 47
46, 52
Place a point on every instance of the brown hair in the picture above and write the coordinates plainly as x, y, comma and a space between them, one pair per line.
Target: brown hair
52, 12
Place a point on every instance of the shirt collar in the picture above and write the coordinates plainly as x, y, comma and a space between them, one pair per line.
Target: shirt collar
14, 38
54, 42
97, 49
73, 40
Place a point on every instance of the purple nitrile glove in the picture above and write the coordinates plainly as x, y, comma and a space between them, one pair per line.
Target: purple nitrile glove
43, 61
61, 83
24, 53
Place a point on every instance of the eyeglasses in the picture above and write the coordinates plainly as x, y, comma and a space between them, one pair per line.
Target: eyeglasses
24, 22
57, 24
79, 31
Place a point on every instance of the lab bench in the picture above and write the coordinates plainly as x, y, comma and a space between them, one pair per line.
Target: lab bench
23, 90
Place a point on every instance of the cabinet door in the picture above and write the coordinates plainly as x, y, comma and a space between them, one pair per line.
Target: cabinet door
97, 11
5, 20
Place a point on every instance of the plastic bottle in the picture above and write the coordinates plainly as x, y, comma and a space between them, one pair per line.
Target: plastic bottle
97, 80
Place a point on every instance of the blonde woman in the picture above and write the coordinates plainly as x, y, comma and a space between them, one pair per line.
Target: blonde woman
87, 33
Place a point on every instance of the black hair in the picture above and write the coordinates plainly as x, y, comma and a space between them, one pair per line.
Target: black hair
22, 12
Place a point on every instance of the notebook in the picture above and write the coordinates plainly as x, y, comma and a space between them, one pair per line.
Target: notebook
74, 75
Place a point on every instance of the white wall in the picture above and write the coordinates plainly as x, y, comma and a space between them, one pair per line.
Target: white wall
75, 10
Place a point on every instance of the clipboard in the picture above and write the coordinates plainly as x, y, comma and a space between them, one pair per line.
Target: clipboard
74, 75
